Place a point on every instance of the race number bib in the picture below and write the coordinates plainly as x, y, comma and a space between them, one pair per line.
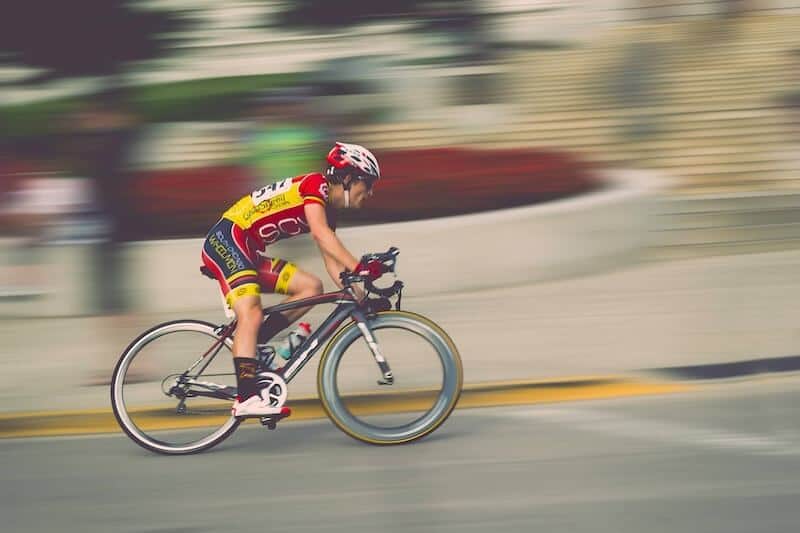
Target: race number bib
271, 191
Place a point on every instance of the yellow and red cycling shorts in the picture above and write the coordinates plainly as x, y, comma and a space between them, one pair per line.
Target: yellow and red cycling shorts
230, 254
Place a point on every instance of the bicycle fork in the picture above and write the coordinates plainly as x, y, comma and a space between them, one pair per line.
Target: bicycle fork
372, 343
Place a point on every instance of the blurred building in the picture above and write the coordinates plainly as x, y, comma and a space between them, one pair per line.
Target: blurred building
703, 93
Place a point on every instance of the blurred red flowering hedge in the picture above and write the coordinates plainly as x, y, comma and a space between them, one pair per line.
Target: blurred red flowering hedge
417, 184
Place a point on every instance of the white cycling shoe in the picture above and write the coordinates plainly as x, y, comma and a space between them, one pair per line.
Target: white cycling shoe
257, 406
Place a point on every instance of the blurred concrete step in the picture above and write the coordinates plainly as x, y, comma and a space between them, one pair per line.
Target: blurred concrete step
401, 126
727, 70
726, 234
667, 146
667, 125
735, 71
598, 151
579, 134
528, 113
781, 180
601, 83
732, 203
720, 60
726, 168
684, 251
776, 178
707, 99
746, 115
565, 139
727, 65
742, 160
659, 108
659, 103
770, 134
759, 217
720, 151
674, 144
546, 122
666, 152
766, 183
707, 95
384, 143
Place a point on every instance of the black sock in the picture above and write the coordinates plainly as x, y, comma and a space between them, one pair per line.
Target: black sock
274, 324
245, 377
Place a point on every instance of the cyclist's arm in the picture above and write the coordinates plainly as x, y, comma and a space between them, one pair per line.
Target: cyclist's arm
334, 268
329, 244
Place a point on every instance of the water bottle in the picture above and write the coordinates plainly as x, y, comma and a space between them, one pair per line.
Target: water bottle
287, 347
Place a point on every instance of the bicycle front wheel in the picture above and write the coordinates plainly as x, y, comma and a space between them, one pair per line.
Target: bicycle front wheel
173, 387
427, 373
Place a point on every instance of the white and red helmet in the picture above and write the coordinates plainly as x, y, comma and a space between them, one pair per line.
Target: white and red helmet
354, 160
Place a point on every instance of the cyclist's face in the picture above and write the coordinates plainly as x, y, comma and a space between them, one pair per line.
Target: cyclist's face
359, 192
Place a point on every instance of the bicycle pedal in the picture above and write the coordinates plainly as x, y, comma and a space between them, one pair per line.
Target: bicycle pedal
271, 421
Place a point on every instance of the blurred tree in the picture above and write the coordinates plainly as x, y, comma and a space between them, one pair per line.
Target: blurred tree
463, 22
315, 14
92, 38
83, 37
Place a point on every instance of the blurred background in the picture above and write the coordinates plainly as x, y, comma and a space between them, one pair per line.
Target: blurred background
576, 187
137, 121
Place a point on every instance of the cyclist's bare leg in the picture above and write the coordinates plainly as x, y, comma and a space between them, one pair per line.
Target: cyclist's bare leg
248, 317
251, 328
302, 285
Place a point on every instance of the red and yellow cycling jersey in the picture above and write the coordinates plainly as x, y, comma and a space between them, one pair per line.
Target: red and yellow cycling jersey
276, 211
232, 251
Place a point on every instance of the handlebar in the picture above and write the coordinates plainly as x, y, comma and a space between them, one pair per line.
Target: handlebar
386, 293
389, 260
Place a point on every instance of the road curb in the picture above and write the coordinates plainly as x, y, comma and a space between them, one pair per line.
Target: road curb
97, 421
731, 370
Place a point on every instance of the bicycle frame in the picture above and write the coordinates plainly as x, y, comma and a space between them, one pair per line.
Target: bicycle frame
348, 307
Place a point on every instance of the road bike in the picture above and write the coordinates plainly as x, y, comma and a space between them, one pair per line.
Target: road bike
173, 387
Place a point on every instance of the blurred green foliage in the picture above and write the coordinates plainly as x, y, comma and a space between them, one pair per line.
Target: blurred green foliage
205, 99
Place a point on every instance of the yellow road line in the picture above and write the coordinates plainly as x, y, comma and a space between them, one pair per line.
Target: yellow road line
92, 421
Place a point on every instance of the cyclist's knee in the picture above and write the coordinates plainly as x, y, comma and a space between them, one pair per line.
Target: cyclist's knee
305, 285
315, 286
248, 311
312, 287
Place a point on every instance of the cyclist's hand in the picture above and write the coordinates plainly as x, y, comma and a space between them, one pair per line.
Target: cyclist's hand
372, 270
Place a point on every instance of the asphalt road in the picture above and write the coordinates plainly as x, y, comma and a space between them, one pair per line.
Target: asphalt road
724, 459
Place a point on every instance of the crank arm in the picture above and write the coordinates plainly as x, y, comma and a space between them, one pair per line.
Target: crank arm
218, 394
205, 389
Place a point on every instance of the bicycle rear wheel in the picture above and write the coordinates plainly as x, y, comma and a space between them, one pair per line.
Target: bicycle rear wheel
170, 399
427, 372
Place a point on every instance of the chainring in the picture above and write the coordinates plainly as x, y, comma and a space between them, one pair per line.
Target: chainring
272, 388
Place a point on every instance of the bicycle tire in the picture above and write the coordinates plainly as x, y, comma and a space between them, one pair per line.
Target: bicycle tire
446, 399
123, 417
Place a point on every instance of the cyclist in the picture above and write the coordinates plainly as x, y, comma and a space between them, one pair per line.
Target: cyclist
234, 253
